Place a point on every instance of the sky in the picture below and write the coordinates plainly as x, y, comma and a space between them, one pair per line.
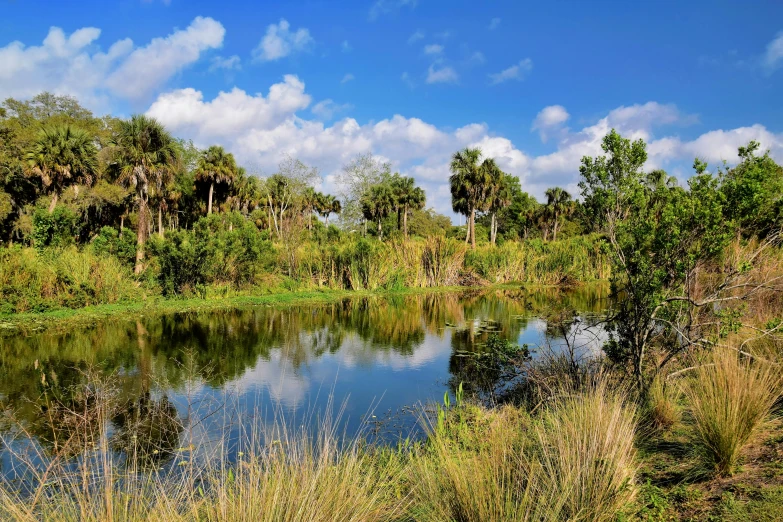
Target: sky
536, 85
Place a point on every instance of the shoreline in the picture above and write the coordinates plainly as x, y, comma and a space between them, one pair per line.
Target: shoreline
67, 318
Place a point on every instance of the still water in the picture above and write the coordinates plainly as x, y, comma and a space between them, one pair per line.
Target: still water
365, 363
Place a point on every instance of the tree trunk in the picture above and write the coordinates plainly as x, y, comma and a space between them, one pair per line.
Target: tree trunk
53, 204
380, 230
473, 229
140, 237
209, 204
327, 220
160, 221
122, 223
405, 222
467, 227
399, 218
492, 230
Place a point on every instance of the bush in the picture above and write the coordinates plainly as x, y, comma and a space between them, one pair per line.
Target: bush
730, 400
58, 229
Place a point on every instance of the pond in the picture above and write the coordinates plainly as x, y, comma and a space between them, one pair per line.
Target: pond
193, 379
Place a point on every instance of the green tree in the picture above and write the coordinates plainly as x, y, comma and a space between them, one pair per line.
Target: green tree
660, 237
408, 197
215, 165
558, 204
499, 195
377, 203
754, 192
144, 155
61, 156
470, 185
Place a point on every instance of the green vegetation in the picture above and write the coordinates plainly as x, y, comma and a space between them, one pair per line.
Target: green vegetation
674, 418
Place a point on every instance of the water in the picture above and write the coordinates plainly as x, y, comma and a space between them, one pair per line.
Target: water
370, 363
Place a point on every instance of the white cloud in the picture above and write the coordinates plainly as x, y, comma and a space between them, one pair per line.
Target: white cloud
279, 42
231, 63
71, 64
148, 67
418, 35
550, 120
326, 109
345, 46
773, 58
407, 79
476, 57
347, 78
443, 74
259, 129
515, 72
494, 23
382, 7
433, 49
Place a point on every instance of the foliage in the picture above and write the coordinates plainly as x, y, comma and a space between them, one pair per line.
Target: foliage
730, 399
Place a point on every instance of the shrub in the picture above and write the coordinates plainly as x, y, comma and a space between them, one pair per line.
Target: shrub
730, 399
587, 456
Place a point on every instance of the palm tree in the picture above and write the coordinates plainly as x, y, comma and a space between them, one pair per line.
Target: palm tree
499, 194
215, 165
408, 197
329, 204
377, 203
469, 187
310, 200
559, 203
145, 154
61, 156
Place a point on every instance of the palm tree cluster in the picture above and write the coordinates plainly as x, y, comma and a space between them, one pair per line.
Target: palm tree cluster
394, 194
154, 168
477, 186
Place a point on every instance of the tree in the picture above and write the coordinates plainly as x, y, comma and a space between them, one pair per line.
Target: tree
661, 237
499, 195
215, 165
287, 188
61, 156
144, 154
470, 184
558, 203
355, 179
754, 192
408, 197
377, 203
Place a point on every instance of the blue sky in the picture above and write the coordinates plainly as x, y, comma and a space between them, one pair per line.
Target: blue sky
534, 84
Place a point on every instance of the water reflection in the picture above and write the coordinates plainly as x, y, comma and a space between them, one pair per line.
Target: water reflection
373, 352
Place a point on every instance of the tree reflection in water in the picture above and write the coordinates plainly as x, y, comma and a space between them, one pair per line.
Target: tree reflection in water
404, 346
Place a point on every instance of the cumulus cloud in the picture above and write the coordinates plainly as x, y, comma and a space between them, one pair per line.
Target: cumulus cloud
326, 109
382, 7
415, 37
229, 64
494, 23
279, 42
550, 120
71, 64
515, 72
148, 67
433, 49
261, 128
347, 78
444, 74
773, 58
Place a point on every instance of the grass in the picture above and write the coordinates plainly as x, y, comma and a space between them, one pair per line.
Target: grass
730, 400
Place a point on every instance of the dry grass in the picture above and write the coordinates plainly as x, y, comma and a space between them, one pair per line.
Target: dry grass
730, 399
587, 456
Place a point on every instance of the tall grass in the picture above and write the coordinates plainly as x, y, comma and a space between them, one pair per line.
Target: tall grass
37, 281
576, 462
730, 400
587, 456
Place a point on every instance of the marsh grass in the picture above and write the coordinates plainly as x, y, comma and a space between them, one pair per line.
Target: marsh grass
730, 400
576, 461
